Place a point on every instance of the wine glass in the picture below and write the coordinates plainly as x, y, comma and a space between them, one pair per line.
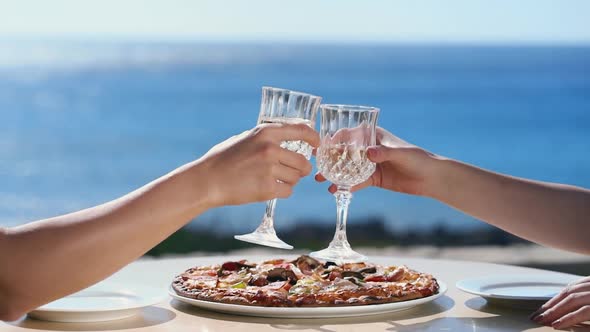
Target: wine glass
282, 106
345, 131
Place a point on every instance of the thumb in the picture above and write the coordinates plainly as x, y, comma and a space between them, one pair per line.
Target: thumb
380, 153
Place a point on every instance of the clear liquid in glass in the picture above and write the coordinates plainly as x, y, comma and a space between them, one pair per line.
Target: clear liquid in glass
345, 165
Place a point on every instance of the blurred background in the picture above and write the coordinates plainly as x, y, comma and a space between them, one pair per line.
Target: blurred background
98, 98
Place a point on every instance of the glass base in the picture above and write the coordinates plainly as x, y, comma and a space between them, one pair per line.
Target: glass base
264, 237
339, 255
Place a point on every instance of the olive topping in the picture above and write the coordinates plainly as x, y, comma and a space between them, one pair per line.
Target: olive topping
328, 264
281, 274
358, 274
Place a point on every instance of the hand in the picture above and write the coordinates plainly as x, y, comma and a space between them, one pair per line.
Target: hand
401, 166
252, 167
568, 308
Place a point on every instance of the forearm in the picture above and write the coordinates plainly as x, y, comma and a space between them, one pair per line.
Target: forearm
48, 259
51, 258
547, 213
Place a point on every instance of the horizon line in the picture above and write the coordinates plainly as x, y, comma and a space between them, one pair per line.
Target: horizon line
100, 39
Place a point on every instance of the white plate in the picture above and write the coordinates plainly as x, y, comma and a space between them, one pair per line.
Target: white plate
317, 312
532, 287
101, 302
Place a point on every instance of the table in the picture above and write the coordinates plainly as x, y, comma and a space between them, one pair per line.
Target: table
456, 311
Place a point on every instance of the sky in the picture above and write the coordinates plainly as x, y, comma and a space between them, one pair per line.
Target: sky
491, 21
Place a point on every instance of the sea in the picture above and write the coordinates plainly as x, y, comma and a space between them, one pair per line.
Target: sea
82, 123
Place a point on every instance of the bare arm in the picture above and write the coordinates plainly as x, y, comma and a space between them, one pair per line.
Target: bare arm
551, 214
48, 259
548, 213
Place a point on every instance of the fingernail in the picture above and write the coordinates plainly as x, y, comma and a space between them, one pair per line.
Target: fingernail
534, 314
556, 324
539, 318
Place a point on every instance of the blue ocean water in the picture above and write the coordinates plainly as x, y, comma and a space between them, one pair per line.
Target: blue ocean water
81, 124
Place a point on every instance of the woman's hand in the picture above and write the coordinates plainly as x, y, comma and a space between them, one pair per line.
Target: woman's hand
568, 308
252, 167
401, 166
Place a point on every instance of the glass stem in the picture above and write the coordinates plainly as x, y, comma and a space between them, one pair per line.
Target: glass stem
268, 220
343, 196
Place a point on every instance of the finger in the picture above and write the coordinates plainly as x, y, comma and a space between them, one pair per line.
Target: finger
569, 304
296, 161
579, 316
332, 188
380, 153
294, 132
371, 181
282, 190
553, 301
380, 134
578, 286
363, 185
319, 177
581, 281
286, 174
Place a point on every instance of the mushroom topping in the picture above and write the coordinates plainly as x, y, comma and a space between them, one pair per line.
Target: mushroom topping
353, 280
258, 281
371, 269
232, 266
333, 275
306, 263
281, 274
355, 274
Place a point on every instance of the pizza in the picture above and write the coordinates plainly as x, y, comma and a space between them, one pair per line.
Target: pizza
304, 282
